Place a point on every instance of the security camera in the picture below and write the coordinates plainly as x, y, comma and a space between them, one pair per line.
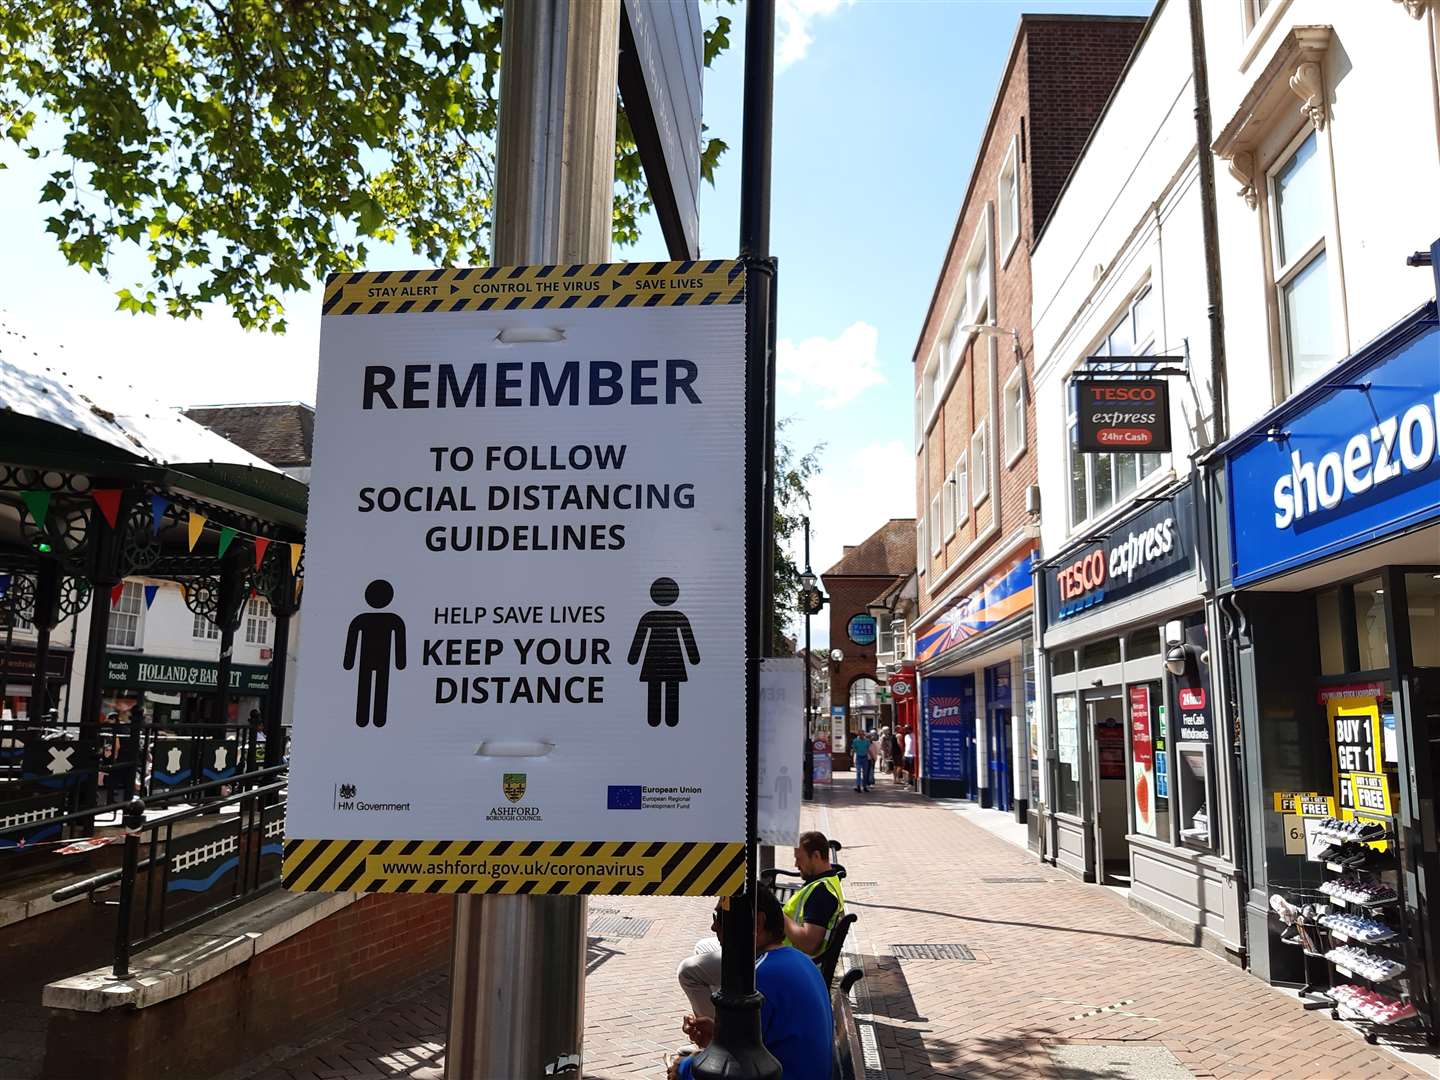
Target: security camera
1174, 632
1177, 659
836, 655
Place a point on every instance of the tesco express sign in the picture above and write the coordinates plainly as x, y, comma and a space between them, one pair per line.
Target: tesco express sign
1357, 462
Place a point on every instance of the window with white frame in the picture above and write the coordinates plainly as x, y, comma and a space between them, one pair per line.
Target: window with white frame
980, 457
920, 558
1008, 201
962, 490
257, 622
1100, 481
977, 275
203, 629
937, 538
919, 420
1298, 208
127, 617
1014, 415
947, 507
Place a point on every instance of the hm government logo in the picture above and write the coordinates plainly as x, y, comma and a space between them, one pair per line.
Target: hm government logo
347, 791
345, 800
513, 784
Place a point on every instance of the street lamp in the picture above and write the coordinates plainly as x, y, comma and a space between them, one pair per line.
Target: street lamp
991, 330
812, 601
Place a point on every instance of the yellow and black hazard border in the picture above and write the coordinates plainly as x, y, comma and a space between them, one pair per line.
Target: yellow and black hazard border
543, 867
508, 288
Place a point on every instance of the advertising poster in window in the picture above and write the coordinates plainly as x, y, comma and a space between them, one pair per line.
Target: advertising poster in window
1067, 733
947, 709
524, 642
1356, 753
1142, 751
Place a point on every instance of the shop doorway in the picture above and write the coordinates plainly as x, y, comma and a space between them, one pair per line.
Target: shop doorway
1109, 791
997, 733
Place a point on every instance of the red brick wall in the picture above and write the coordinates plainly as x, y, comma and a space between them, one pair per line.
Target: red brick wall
339, 964
1060, 75
848, 597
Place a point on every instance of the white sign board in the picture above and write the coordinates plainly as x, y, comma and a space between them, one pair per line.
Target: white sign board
780, 764
523, 606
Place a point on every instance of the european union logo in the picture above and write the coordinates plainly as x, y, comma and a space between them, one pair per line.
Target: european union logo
623, 797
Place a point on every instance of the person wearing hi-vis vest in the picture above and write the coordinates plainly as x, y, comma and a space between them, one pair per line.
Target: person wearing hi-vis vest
811, 914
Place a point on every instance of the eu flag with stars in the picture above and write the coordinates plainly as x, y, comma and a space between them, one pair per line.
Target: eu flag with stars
624, 797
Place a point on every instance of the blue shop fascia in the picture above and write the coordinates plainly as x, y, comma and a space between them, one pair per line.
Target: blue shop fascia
1326, 519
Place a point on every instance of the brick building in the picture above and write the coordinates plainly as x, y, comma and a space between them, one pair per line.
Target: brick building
974, 415
865, 574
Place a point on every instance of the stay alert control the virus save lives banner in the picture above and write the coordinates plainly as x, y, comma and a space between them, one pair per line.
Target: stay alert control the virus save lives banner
523, 634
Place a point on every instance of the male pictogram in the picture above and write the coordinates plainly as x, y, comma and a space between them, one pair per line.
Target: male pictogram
371, 634
664, 656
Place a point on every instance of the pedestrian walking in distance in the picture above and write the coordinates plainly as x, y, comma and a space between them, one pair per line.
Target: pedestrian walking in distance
666, 640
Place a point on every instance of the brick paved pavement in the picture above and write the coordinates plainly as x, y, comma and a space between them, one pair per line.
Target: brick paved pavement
1046, 954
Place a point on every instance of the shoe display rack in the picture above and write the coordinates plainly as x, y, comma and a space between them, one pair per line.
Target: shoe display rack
1355, 921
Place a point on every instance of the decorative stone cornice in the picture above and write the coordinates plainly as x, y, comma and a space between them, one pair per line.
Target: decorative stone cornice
1295, 70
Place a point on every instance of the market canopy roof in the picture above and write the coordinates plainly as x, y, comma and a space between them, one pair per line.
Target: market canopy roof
53, 419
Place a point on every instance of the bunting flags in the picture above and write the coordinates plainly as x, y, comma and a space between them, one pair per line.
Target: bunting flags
38, 503
227, 534
158, 505
295, 550
260, 545
116, 593
196, 526
108, 500
150, 591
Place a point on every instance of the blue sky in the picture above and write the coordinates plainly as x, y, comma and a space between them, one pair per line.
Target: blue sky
879, 107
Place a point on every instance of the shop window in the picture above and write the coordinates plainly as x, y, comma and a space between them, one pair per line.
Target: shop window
1100, 653
980, 455
1143, 642
127, 617
962, 490
257, 622
1008, 201
1197, 802
1149, 760
203, 629
1062, 662
1014, 416
1332, 635
1422, 596
1067, 754
1371, 638
1299, 206
1100, 481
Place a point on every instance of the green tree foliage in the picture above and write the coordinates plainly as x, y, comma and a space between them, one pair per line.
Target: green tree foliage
793, 474
247, 147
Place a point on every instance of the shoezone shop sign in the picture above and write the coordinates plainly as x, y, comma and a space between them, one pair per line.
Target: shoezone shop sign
524, 624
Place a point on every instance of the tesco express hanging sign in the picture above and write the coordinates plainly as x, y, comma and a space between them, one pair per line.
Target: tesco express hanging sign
1362, 461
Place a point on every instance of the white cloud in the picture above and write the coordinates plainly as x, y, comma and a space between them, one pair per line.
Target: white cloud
849, 500
794, 18
842, 367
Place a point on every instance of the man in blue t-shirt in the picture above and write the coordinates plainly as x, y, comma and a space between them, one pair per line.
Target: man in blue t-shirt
795, 1019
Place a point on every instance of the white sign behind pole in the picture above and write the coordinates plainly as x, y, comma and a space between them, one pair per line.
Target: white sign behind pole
781, 753
524, 606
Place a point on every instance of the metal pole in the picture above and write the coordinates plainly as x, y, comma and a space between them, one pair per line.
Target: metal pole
517, 987
807, 783
134, 822
738, 1052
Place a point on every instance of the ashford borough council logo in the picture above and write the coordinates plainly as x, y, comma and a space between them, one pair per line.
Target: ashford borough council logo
514, 786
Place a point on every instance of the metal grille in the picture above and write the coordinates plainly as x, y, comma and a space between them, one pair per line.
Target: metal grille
932, 952
1013, 880
619, 926
860, 884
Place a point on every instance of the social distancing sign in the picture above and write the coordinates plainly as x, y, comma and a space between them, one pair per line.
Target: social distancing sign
524, 644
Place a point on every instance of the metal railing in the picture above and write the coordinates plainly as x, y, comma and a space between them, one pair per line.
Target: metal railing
173, 877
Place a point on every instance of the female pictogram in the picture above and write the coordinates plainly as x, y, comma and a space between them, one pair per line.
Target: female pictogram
664, 665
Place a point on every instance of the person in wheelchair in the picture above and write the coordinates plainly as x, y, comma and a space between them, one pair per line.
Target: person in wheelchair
810, 917
796, 1021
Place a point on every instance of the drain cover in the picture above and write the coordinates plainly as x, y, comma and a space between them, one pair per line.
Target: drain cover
1013, 880
860, 884
1122, 1062
619, 926
932, 952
